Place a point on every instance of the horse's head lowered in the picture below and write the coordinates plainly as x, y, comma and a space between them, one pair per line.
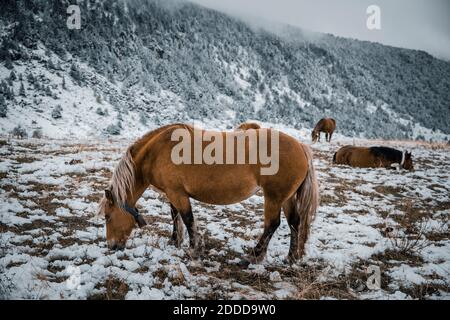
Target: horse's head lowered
120, 217
120, 220
407, 162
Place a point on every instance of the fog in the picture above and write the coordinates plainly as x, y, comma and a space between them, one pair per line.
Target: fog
414, 24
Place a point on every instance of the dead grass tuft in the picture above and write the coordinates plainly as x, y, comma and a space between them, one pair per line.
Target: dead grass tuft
114, 289
425, 290
311, 284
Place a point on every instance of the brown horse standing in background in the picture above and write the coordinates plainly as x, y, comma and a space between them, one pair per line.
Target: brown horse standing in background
148, 162
248, 125
327, 125
373, 157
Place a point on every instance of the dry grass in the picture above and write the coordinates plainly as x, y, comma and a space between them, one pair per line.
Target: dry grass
311, 284
394, 256
113, 289
409, 236
424, 290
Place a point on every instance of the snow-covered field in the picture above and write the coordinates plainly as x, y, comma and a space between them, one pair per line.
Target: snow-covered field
52, 244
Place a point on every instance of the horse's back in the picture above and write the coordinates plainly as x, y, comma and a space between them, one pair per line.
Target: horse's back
225, 183
248, 125
386, 153
326, 125
354, 156
329, 124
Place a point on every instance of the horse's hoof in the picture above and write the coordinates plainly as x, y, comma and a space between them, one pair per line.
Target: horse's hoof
244, 263
290, 260
195, 253
175, 243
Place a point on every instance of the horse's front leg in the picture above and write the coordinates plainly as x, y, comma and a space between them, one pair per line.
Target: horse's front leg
272, 211
177, 233
183, 207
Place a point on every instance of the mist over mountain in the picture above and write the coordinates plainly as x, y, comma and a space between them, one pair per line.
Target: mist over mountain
137, 62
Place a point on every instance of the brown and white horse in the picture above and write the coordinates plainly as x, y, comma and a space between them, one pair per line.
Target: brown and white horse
148, 162
327, 125
373, 157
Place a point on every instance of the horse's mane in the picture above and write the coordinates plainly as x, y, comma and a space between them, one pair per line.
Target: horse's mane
124, 175
387, 153
123, 178
122, 181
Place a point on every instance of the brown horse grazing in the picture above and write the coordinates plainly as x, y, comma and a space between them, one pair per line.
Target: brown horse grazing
148, 162
327, 125
373, 157
248, 125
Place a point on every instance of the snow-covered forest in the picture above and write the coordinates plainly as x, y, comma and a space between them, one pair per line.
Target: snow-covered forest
165, 61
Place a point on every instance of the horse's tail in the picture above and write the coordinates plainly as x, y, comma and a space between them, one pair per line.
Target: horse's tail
334, 157
307, 202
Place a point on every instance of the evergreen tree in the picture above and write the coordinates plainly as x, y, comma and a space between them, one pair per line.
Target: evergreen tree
11, 94
8, 63
100, 111
22, 90
3, 107
19, 132
12, 76
57, 112
37, 134
51, 65
143, 118
75, 73
30, 78
113, 129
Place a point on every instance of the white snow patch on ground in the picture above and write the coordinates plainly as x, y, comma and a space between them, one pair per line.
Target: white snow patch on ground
52, 243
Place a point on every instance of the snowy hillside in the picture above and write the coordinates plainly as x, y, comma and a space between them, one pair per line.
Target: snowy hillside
138, 64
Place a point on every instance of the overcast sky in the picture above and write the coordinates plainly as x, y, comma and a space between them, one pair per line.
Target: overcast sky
416, 24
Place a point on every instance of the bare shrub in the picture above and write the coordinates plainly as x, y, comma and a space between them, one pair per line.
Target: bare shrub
411, 242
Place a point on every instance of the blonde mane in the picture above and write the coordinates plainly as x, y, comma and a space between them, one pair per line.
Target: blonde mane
123, 178
122, 181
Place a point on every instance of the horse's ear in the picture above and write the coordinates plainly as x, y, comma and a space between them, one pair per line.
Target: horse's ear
109, 196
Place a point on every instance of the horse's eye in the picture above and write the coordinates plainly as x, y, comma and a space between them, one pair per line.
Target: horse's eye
107, 218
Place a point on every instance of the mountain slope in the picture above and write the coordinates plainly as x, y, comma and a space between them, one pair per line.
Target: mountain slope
164, 61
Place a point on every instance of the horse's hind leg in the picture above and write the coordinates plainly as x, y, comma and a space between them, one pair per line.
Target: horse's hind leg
293, 220
177, 233
272, 211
